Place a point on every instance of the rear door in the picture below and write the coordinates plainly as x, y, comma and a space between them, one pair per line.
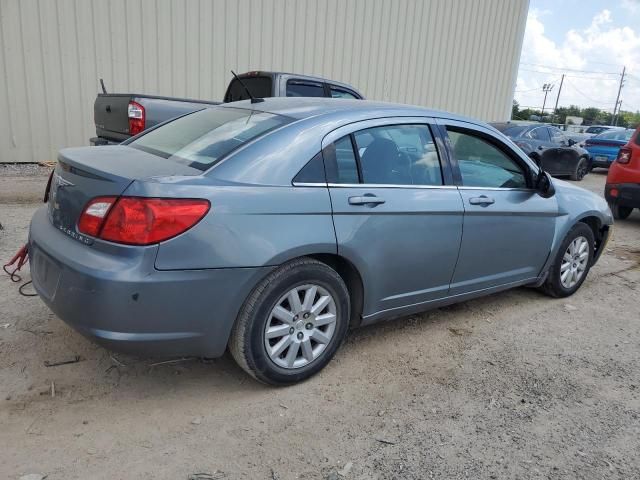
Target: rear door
508, 227
397, 216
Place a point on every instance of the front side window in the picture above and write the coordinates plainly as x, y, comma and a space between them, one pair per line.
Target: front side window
539, 133
202, 138
298, 88
557, 136
482, 164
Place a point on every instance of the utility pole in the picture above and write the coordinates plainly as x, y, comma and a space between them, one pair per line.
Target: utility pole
555, 109
615, 123
614, 120
546, 88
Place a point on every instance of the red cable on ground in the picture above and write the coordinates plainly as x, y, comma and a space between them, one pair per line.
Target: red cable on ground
19, 259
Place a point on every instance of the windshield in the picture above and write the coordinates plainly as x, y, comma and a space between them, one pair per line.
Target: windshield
622, 135
202, 138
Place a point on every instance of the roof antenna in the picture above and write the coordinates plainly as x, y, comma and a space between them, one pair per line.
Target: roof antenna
253, 99
104, 89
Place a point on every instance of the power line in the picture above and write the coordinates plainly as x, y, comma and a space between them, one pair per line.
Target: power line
587, 96
568, 69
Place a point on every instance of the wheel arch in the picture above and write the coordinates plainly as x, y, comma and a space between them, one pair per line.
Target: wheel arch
599, 231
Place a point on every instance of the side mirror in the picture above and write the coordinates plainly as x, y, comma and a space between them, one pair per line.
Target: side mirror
544, 185
572, 142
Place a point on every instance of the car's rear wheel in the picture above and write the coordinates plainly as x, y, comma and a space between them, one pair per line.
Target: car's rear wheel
572, 262
292, 323
581, 170
619, 212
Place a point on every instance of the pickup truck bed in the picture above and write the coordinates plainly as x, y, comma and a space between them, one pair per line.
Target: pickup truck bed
119, 116
111, 113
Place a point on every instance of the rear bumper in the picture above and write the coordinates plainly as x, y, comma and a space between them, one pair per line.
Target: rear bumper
123, 303
602, 160
623, 194
98, 141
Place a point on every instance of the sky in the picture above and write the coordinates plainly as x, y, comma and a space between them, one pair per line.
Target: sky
588, 40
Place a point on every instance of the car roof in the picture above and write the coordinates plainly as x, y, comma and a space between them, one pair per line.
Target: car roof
308, 107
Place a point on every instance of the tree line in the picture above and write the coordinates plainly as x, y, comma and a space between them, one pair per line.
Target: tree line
590, 115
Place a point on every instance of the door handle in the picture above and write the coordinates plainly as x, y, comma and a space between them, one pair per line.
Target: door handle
366, 199
481, 200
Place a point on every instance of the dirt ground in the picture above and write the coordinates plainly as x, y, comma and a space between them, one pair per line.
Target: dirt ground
515, 385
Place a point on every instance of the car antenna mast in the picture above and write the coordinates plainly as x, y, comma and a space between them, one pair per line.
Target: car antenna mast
253, 99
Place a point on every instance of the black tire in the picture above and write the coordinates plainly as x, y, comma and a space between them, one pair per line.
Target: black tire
553, 285
619, 212
581, 170
247, 343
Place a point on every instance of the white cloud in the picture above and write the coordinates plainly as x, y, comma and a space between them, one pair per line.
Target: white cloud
602, 46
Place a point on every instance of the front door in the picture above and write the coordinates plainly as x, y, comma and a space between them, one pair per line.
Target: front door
508, 227
395, 217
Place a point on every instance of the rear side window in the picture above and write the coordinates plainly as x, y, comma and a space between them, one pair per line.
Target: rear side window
299, 88
202, 138
388, 155
260, 87
483, 164
398, 155
341, 93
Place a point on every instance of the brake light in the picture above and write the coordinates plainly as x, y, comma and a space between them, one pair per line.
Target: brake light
140, 221
94, 214
624, 155
522, 144
136, 115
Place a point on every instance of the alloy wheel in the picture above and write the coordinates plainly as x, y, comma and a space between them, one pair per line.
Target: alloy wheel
574, 262
300, 326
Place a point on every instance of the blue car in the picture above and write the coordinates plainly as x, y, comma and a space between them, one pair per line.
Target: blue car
603, 148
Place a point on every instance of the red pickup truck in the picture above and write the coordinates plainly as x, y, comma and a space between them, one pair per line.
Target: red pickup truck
622, 190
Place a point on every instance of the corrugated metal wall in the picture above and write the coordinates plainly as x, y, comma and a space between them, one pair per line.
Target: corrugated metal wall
457, 55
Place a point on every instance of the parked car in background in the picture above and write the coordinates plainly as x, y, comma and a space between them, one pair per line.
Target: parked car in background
550, 148
598, 129
271, 228
119, 116
622, 189
603, 148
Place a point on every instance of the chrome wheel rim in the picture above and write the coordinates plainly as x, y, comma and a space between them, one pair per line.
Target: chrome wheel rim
300, 326
574, 262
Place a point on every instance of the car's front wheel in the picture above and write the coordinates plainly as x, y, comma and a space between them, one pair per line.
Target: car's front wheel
292, 323
572, 262
619, 212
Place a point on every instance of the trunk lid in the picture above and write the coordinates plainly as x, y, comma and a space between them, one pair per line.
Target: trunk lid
88, 172
110, 115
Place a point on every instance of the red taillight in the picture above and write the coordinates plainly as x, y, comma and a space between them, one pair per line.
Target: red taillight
140, 221
94, 214
136, 115
624, 155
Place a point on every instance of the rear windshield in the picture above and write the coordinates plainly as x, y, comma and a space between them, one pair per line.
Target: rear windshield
622, 135
202, 138
260, 87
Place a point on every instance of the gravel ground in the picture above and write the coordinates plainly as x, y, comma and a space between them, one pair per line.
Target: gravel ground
515, 385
